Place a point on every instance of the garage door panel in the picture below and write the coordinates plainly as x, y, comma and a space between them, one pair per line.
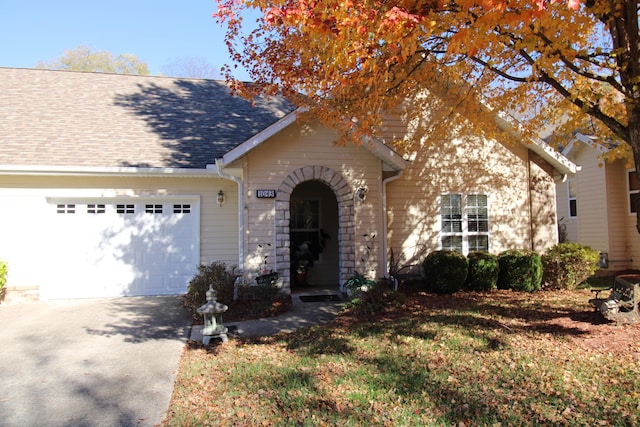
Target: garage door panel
120, 248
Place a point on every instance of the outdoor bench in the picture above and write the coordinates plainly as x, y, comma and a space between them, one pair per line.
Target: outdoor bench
622, 303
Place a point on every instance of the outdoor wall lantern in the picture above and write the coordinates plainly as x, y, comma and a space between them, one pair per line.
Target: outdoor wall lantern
603, 262
361, 194
220, 198
212, 312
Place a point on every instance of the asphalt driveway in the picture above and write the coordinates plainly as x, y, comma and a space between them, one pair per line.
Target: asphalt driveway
98, 362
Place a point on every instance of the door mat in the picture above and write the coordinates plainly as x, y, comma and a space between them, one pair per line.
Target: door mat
319, 298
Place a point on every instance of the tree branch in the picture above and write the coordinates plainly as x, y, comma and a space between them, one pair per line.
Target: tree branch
497, 71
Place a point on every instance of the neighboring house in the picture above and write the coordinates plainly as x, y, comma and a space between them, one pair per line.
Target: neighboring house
596, 206
121, 185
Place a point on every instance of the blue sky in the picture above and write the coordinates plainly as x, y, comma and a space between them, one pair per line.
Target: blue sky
159, 32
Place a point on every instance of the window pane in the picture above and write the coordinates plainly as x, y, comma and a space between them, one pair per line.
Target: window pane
633, 202
573, 207
452, 224
477, 203
477, 224
452, 243
96, 209
66, 209
477, 213
451, 204
305, 214
125, 209
633, 181
479, 243
153, 209
451, 213
477, 200
572, 188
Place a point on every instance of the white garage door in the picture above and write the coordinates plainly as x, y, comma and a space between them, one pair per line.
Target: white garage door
119, 247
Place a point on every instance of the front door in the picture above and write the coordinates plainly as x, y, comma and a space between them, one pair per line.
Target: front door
313, 233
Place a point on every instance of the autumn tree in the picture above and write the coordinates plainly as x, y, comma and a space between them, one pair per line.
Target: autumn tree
564, 66
83, 58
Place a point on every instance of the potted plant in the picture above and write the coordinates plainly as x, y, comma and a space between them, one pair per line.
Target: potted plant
303, 256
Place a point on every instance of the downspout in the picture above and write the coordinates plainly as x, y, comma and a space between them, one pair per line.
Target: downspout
219, 166
530, 194
385, 226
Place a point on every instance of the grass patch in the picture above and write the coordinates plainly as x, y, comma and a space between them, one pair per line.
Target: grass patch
498, 358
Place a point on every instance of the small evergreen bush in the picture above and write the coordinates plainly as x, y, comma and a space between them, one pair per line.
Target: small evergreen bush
216, 274
445, 271
566, 265
3, 278
483, 271
520, 270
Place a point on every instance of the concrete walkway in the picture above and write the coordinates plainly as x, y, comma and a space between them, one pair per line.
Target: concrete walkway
98, 362
302, 314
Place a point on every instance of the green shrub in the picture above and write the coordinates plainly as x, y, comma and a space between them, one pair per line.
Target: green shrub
259, 301
445, 271
520, 270
216, 274
357, 284
377, 297
3, 278
566, 265
483, 271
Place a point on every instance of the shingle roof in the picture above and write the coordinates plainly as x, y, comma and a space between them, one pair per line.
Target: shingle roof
62, 118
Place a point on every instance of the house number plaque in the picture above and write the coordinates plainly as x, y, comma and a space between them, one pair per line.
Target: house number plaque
266, 194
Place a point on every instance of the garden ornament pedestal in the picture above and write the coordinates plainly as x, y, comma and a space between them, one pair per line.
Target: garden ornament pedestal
212, 312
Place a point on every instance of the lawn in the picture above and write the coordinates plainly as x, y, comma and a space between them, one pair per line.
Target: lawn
500, 358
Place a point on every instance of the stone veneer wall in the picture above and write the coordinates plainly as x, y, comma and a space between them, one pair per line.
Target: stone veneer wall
346, 223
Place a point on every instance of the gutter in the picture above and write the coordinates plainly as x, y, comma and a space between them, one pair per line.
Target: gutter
41, 170
219, 167
530, 197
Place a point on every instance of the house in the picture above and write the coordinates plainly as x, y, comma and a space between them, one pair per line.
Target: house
121, 185
596, 207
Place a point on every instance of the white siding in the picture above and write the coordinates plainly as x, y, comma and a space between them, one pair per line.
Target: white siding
593, 228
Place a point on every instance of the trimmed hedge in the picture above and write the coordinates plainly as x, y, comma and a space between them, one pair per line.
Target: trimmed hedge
520, 270
566, 265
483, 271
445, 271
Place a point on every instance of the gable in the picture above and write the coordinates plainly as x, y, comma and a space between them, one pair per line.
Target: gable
62, 118
395, 130
392, 161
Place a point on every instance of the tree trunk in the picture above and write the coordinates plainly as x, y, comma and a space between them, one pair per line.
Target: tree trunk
622, 20
634, 142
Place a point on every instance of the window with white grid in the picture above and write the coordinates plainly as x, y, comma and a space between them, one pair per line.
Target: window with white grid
464, 222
